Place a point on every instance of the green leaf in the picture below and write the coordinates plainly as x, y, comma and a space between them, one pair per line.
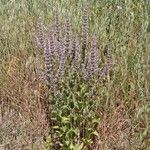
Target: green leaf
65, 120
79, 147
67, 143
95, 133
72, 146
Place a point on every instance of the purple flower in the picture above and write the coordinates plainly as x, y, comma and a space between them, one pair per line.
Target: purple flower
92, 64
57, 25
48, 61
57, 49
84, 29
51, 40
75, 53
61, 68
67, 35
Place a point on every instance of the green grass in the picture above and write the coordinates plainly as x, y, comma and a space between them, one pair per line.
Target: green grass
126, 23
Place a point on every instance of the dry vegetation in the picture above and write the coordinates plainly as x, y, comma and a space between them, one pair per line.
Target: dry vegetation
103, 112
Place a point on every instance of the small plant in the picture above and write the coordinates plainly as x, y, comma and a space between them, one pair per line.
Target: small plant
71, 68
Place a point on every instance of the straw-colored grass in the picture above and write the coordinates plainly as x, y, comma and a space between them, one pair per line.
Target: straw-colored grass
124, 114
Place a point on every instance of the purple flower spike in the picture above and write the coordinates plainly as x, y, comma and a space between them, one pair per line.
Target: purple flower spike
84, 29
48, 61
61, 68
92, 64
75, 53
67, 35
57, 25
57, 49
51, 40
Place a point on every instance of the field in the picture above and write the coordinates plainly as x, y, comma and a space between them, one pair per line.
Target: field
74, 74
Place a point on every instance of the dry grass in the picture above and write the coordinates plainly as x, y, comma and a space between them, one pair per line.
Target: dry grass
115, 129
22, 108
123, 96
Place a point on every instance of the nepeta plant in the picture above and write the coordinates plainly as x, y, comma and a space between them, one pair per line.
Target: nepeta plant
67, 48
71, 64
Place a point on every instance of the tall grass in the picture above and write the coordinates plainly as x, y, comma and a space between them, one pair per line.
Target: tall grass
109, 113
